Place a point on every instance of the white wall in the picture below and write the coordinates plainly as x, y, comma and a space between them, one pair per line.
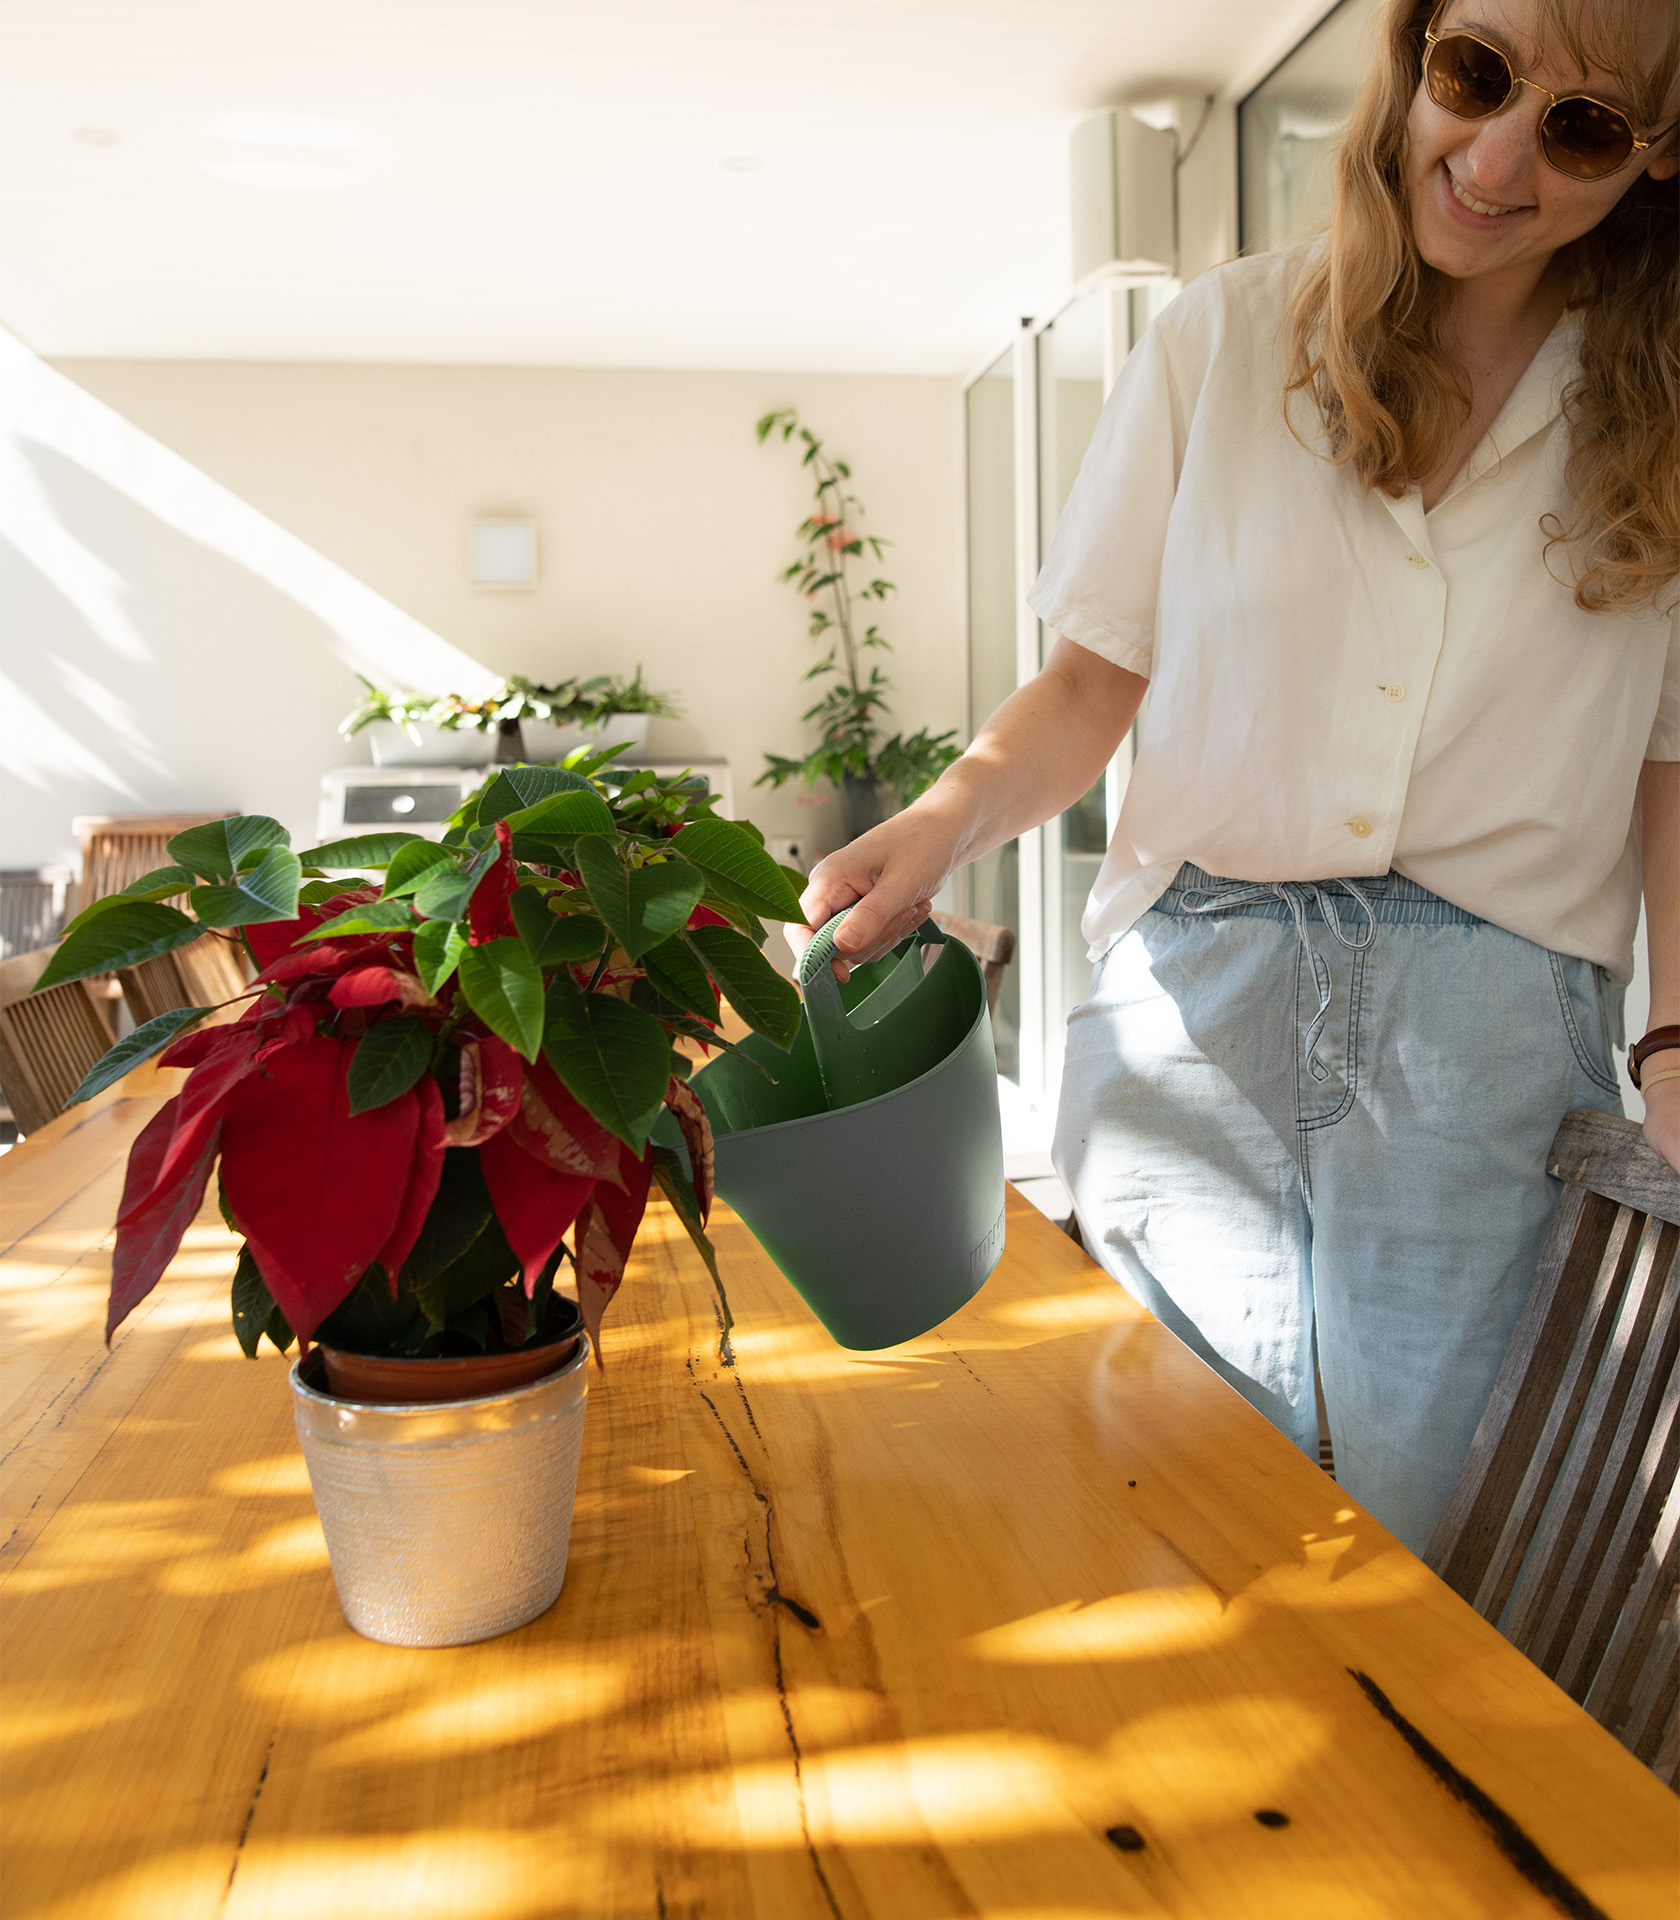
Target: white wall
662, 526
163, 646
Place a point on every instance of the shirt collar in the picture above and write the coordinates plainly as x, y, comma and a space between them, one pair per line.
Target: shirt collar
1535, 402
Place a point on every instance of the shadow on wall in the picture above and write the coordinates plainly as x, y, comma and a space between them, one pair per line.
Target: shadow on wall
166, 646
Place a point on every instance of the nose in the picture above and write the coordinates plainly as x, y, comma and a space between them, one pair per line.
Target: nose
1502, 153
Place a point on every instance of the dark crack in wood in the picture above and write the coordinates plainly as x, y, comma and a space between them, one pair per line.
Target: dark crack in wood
1508, 1837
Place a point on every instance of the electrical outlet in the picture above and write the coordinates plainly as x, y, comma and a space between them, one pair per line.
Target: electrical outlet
789, 851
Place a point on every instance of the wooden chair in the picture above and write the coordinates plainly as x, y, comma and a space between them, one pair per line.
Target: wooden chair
992, 946
202, 974
117, 848
1564, 1525
48, 1041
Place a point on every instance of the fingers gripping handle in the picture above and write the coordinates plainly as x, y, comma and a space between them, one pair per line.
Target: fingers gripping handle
842, 1058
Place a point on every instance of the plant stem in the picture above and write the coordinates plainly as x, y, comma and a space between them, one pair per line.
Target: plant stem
600, 966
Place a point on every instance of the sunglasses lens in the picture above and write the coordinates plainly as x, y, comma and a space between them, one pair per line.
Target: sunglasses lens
1467, 78
1582, 138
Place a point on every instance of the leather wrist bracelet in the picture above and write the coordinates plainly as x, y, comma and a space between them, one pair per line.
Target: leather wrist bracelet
1658, 1040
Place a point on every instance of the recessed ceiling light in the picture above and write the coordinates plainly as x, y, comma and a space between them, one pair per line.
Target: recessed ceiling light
297, 151
741, 163
96, 136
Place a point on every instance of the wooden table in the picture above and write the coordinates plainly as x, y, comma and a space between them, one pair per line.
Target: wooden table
896, 1635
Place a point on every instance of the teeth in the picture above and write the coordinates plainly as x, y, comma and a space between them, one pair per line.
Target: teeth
1475, 206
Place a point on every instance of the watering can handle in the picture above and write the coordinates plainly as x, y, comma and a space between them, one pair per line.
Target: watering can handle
841, 1057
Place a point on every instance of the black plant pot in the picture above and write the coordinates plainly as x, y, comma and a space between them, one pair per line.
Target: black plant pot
865, 802
510, 743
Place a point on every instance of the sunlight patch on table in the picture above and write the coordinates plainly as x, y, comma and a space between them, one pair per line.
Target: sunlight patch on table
273, 1555
24, 1728
479, 1718
460, 1874
280, 1473
1152, 1621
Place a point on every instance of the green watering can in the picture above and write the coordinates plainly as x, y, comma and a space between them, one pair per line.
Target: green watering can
871, 1168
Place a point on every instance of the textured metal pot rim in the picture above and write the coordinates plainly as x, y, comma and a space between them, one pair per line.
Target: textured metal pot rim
423, 1423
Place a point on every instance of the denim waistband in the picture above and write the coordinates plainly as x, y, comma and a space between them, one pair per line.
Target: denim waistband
1390, 897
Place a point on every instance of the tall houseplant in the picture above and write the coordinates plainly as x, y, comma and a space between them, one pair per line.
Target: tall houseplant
850, 754
441, 1073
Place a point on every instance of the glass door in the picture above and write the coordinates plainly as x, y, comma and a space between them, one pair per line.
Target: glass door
991, 889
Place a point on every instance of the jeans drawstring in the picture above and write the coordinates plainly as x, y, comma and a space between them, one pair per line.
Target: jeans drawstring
1293, 893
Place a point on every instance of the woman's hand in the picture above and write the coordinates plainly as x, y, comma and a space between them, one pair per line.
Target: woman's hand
1662, 1111
890, 874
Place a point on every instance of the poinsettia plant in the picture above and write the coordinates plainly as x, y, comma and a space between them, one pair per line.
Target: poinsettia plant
447, 1066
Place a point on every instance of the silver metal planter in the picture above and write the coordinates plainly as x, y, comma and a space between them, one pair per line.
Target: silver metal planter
447, 1522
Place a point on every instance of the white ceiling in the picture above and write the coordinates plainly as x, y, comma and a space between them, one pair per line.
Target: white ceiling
564, 183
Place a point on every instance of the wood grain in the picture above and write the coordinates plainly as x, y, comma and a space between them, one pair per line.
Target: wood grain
1609, 1154
900, 1635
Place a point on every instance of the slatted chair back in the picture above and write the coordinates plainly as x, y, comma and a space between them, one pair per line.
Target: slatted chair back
49, 1042
117, 848
1564, 1525
992, 946
203, 973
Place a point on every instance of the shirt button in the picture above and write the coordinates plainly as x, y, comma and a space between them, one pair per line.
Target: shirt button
1394, 691
1359, 827
1419, 561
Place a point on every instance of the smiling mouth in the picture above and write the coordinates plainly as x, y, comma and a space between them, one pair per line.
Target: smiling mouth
1485, 207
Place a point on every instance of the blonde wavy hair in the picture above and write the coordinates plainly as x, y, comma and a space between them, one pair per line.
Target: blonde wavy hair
1365, 327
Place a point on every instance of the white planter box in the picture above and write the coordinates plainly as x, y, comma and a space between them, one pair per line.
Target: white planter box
543, 742
436, 748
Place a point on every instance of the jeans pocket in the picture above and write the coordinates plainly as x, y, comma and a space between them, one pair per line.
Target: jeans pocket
1584, 1019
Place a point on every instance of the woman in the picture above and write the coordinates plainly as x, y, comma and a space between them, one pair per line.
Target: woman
1388, 527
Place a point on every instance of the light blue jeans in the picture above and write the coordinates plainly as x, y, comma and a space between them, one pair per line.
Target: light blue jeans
1313, 1119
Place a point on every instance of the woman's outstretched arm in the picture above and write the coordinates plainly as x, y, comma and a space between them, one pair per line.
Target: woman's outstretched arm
1044, 747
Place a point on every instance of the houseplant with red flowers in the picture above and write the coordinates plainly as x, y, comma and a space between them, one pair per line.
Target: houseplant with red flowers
443, 1083
514, 992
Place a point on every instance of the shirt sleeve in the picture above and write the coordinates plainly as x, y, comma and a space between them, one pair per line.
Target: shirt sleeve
1665, 735
1101, 578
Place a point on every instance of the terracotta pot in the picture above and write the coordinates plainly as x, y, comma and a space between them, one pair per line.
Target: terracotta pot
377, 1380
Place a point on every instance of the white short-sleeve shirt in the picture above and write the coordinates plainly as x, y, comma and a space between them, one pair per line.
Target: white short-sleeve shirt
1339, 682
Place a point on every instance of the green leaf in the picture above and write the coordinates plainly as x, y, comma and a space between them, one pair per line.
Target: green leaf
555, 940
483, 1265
671, 1172
679, 976
737, 867
641, 905
122, 936
758, 993
517, 789
368, 916
505, 990
563, 816
458, 1215
370, 851
139, 1045
162, 883
368, 1320
216, 850
443, 893
613, 1057
254, 1311
438, 946
269, 891
410, 866
389, 1058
